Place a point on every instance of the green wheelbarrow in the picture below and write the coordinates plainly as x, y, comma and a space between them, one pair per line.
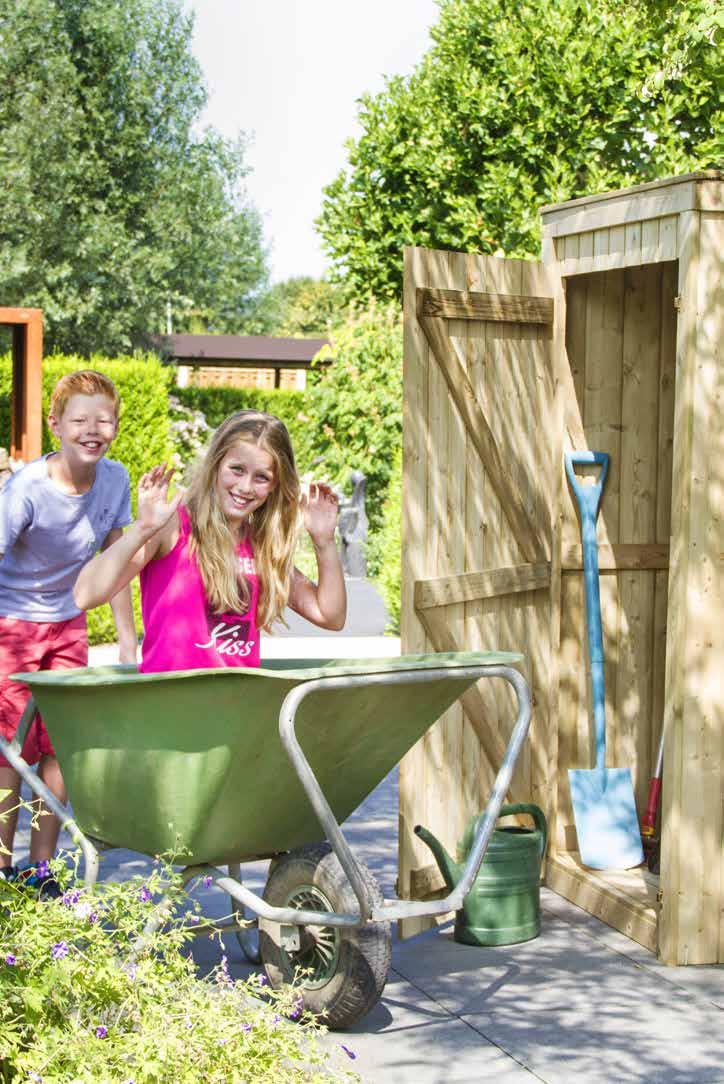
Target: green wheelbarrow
229, 766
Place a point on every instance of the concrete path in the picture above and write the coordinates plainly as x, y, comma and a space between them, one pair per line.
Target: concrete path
581, 1004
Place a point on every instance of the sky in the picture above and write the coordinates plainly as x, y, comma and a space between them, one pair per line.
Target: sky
289, 73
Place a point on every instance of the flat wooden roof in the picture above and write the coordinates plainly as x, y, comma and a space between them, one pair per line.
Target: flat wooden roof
244, 351
616, 193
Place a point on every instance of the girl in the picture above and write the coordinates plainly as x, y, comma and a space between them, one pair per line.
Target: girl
216, 565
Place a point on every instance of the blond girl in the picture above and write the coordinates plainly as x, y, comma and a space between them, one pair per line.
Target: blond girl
216, 564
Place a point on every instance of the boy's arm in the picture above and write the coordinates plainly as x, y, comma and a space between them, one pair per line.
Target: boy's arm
122, 607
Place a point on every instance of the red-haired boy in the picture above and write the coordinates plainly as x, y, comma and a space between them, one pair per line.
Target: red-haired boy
55, 514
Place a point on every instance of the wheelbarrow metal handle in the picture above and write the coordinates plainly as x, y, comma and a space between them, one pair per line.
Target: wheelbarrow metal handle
398, 908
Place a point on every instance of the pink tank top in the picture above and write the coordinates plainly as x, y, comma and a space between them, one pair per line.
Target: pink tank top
181, 633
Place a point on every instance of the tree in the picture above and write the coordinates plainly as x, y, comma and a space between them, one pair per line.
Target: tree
298, 307
111, 203
513, 107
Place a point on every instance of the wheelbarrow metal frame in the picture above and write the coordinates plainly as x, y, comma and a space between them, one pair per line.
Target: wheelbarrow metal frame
389, 910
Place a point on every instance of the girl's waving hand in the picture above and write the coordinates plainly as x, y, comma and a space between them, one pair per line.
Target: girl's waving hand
153, 533
154, 507
320, 508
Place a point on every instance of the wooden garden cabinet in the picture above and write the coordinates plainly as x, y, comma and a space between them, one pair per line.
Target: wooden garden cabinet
611, 343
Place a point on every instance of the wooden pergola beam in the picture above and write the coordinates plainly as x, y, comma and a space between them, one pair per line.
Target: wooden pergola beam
26, 419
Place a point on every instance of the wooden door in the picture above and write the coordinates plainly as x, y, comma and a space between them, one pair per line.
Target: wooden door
481, 336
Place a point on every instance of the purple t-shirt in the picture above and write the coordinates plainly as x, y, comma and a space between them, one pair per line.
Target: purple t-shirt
181, 632
47, 535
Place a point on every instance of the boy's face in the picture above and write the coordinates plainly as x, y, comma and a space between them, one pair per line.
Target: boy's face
85, 429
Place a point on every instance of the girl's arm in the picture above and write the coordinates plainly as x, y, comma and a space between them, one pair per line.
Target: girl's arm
323, 603
153, 532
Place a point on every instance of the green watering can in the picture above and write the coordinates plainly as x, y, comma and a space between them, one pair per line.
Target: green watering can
503, 906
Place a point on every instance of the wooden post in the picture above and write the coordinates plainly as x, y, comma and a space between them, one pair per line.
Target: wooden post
691, 927
26, 423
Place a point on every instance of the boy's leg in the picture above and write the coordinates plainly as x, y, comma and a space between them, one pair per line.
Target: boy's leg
21, 648
9, 780
44, 837
67, 650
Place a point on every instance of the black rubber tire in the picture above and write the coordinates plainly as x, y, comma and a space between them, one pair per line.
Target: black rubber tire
363, 953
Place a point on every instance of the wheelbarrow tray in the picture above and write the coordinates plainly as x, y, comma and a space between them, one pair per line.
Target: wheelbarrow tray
191, 762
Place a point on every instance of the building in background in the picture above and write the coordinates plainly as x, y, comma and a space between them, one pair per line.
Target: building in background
240, 361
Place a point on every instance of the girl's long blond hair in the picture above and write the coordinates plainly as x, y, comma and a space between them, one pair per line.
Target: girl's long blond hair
272, 528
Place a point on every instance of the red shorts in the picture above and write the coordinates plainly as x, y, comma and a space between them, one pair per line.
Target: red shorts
28, 646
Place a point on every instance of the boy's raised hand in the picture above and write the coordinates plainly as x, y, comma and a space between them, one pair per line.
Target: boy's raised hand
320, 507
154, 507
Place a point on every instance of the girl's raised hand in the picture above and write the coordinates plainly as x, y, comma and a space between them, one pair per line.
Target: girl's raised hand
320, 507
154, 507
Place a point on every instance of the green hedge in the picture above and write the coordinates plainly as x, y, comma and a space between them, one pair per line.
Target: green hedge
143, 437
218, 403
386, 546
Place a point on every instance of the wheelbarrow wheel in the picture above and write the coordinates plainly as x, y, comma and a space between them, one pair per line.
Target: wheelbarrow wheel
339, 972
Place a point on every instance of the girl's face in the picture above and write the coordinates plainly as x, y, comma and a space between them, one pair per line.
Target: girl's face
245, 478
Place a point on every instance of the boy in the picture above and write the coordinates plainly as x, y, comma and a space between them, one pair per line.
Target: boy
55, 513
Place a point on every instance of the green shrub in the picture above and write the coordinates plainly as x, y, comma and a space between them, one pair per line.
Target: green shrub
352, 417
143, 436
75, 1008
386, 547
218, 403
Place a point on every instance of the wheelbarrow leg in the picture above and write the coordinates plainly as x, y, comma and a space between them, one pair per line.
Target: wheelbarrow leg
247, 936
12, 751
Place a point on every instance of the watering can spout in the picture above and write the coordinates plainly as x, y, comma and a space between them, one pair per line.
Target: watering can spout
450, 870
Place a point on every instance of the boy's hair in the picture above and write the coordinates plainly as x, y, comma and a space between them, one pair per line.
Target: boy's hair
82, 382
272, 527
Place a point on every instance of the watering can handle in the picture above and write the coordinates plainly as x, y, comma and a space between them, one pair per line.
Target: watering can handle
538, 818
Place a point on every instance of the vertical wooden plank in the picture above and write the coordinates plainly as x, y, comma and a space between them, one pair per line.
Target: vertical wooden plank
416, 452
600, 242
481, 626
546, 449
617, 246
576, 305
690, 929
570, 247
667, 375
602, 420
567, 608
632, 243
649, 240
668, 237
585, 252
510, 423
637, 519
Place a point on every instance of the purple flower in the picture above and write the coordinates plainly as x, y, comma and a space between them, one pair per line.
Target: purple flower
262, 979
224, 976
297, 1009
101, 1032
193, 919
350, 1053
42, 870
144, 895
70, 898
10, 959
59, 950
247, 1027
276, 1019
131, 970
207, 881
